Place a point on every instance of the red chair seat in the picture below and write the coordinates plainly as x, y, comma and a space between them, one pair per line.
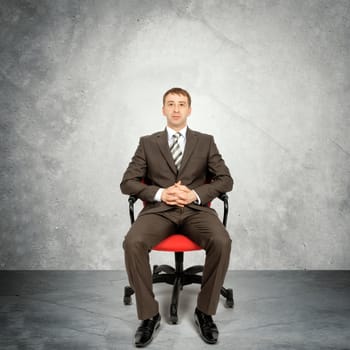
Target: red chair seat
176, 243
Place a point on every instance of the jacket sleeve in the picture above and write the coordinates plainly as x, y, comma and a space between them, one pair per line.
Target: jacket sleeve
132, 179
221, 180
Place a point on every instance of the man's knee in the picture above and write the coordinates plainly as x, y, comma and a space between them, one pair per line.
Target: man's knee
134, 243
221, 242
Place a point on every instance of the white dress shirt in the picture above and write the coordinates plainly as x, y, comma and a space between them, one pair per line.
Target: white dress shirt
182, 144
182, 138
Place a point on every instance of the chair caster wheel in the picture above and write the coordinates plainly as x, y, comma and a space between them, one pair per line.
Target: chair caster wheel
173, 314
128, 292
173, 319
229, 298
127, 300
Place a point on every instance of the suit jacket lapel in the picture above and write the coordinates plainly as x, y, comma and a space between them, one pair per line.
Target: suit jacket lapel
191, 140
162, 139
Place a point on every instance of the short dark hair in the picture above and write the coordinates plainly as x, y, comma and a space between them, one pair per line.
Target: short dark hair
178, 91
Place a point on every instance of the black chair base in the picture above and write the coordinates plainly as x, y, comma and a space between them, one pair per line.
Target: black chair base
178, 277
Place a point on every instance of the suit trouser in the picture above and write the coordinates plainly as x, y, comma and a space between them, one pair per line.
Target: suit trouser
203, 228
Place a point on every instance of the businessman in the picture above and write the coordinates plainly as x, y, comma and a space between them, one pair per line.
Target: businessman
176, 163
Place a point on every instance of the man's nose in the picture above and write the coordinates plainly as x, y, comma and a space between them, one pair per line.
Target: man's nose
176, 108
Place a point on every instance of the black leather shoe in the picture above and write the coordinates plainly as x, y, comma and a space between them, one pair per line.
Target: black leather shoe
144, 334
206, 327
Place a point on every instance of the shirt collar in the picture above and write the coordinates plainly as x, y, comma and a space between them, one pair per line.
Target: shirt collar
172, 132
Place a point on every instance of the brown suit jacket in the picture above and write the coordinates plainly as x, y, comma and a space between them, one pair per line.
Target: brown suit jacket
152, 160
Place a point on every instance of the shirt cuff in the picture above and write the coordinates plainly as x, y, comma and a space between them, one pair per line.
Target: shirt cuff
158, 196
198, 200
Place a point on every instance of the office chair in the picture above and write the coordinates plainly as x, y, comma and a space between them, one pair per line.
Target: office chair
178, 277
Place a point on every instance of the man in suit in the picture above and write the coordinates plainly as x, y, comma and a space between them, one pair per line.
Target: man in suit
176, 163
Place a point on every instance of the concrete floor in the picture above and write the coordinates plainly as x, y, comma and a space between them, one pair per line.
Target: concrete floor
84, 310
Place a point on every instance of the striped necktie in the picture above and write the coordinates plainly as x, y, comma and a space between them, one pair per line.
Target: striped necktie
176, 150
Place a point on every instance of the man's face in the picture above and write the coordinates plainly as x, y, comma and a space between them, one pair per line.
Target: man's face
176, 110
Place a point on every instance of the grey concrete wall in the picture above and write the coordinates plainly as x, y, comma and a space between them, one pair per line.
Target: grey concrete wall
82, 80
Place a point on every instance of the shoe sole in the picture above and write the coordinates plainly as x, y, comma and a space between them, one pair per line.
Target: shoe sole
152, 336
200, 332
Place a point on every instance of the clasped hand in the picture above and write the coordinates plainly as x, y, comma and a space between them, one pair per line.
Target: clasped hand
178, 194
